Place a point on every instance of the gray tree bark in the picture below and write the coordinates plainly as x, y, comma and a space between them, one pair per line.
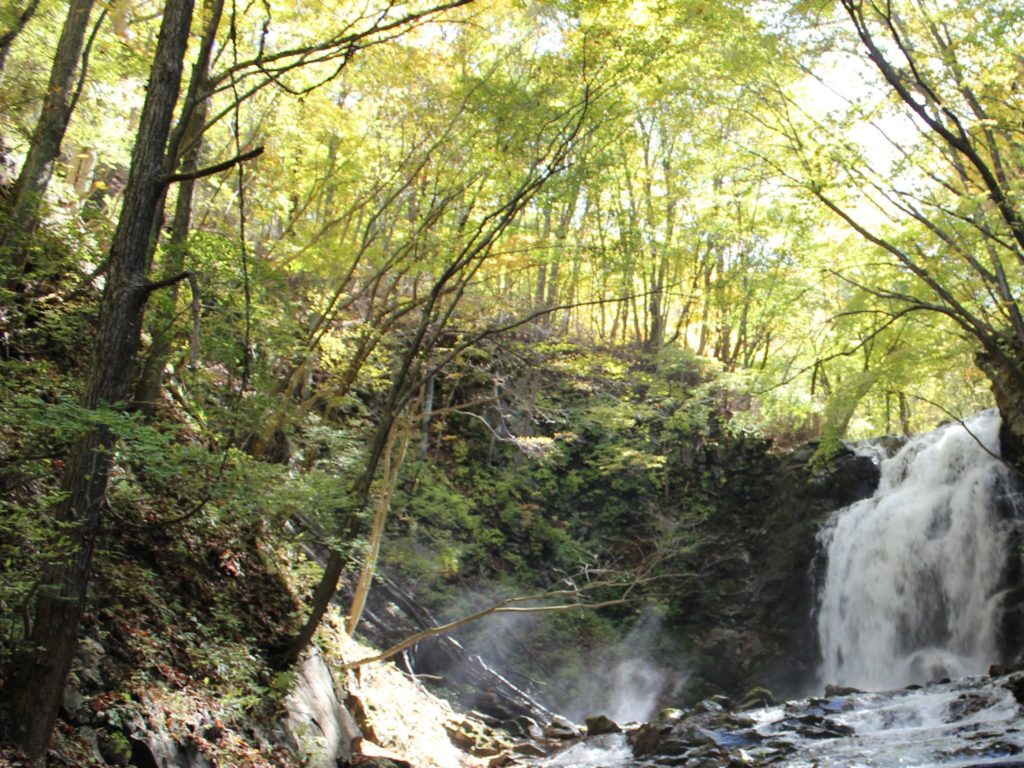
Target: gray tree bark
39, 674
186, 139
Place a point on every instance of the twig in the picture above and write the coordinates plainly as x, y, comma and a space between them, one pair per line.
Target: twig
972, 435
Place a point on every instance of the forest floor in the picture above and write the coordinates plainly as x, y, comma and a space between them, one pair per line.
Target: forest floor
175, 645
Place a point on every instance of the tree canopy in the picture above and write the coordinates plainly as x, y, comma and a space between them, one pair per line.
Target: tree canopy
296, 221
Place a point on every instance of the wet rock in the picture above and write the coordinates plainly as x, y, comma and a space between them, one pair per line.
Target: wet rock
709, 706
671, 715
528, 749
560, 728
525, 727
815, 727
1015, 684
683, 738
114, 747
600, 725
645, 739
997, 749
832, 691
967, 705
821, 706
756, 698
736, 738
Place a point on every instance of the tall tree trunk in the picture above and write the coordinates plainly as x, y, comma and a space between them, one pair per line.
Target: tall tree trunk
24, 203
392, 460
39, 674
151, 378
7, 38
186, 138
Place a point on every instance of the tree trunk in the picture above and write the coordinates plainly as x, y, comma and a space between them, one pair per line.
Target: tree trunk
1008, 389
39, 674
151, 379
393, 458
49, 132
186, 138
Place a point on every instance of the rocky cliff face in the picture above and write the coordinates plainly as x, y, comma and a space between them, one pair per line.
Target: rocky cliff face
752, 624
741, 616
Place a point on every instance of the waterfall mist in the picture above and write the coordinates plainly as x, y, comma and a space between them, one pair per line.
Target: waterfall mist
914, 573
625, 682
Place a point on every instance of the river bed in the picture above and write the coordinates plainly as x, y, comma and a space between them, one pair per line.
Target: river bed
969, 722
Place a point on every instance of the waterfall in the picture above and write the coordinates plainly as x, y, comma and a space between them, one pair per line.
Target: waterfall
913, 575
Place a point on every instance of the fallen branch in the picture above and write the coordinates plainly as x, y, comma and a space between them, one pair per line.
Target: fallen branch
514, 604
505, 606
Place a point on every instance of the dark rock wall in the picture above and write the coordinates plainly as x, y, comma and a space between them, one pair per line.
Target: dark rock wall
757, 628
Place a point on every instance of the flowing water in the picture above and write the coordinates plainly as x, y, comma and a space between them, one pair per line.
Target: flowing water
967, 723
912, 594
912, 588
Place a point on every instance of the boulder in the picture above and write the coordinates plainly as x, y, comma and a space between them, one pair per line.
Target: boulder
600, 725
317, 723
475, 737
524, 727
834, 691
114, 747
560, 728
74, 704
646, 739
529, 749
1015, 684
89, 658
367, 753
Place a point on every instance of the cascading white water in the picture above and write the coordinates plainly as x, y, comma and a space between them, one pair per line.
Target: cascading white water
911, 591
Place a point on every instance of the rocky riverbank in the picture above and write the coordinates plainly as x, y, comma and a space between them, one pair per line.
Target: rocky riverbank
970, 722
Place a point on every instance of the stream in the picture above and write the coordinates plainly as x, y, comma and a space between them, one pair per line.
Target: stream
909, 620
968, 722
